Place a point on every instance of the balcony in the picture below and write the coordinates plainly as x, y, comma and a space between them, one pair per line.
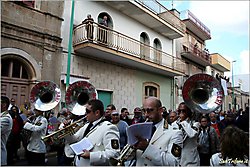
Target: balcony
195, 54
195, 25
94, 40
220, 62
153, 15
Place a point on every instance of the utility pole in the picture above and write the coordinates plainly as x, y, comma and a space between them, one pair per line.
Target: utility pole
233, 101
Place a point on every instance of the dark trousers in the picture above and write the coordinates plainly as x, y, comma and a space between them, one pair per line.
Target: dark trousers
36, 159
204, 159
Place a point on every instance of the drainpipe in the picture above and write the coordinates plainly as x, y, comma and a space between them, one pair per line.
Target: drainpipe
70, 44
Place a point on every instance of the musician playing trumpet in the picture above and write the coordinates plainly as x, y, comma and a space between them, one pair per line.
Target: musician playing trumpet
67, 157
190, 155
165, 146
103, 135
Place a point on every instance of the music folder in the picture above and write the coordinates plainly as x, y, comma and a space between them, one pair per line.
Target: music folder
83, 144
143, 130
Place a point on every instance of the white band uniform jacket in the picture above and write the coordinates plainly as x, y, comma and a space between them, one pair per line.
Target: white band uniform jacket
6, 126
100, 136
159, 150
36, 143
190, 154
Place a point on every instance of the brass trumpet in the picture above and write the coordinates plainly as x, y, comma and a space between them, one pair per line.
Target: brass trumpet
127, 152
68, 130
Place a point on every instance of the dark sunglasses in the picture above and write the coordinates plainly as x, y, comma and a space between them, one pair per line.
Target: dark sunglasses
88, 111
115, 115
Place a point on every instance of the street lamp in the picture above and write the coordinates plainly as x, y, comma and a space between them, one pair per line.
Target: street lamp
233, 85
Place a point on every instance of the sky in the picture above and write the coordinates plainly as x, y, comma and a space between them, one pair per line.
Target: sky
228, 22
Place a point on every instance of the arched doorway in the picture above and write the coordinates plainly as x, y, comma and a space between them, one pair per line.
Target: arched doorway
17, 74
105, 34
109, 19
144, 47
157, 51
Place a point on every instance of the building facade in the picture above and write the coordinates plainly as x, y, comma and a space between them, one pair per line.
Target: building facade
133, 57
30, 45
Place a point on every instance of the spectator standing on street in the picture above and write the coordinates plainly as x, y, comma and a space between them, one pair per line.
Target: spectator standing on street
217, 125
208, 142
13, 103
24, 108
14, 140
122, 126
173, 116
108, 111
124, 116
138, 118
243, 120
234, 148
6, 126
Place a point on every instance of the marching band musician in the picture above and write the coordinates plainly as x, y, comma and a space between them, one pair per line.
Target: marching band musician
103, 135
6, 126
165, 146
67, 158
189, 155
36, 146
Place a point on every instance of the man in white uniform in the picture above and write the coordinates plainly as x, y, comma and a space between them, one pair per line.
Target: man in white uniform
164, 148
6, 126
103, 135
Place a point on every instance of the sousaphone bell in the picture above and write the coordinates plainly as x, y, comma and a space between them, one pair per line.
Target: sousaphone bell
203, 93
45, 95
77, 95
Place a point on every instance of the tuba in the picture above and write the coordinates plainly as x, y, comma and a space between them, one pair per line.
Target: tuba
203, 93
77, 95
45, 95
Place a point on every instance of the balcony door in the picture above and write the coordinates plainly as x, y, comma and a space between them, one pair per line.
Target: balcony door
144, 47
103, 34
157, 51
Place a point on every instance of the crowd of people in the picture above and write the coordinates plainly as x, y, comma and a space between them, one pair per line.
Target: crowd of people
180, 137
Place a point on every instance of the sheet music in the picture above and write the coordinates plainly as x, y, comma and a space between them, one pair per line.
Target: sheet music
83, 144
143, 130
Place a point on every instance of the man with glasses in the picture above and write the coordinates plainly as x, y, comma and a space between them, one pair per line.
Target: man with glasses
164, 148
103, 135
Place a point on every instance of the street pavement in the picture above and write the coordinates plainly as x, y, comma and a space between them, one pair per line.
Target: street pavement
51, 158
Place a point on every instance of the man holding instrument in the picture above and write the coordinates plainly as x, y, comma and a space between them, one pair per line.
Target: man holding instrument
103, 135
164, 148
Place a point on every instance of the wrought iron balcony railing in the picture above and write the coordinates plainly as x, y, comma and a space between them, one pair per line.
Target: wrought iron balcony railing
103, 36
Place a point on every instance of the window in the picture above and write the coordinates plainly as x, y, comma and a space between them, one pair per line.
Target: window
13, 68
151, 89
